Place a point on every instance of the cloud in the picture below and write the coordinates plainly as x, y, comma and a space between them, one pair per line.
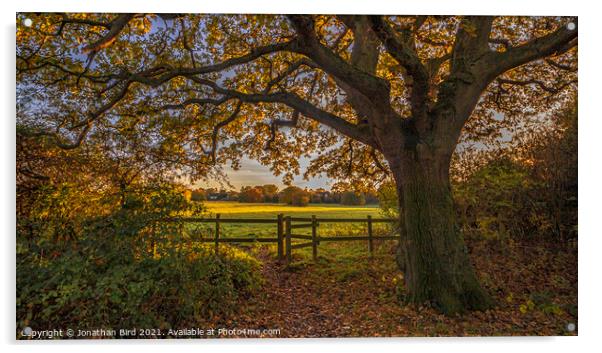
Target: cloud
253, 173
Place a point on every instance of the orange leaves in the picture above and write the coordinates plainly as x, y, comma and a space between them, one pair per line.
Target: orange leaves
151, 53
141, 25
356, 297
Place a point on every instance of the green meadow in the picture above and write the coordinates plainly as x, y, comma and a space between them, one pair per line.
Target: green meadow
233, 209
337, 251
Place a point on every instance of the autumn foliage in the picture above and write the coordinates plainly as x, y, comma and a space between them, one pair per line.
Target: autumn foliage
463, 124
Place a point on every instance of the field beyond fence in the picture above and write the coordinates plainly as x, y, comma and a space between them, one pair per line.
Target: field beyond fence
292, 232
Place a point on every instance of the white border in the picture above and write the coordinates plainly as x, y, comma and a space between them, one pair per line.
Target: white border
590, 197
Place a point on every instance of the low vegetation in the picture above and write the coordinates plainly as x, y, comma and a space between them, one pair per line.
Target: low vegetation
123, 269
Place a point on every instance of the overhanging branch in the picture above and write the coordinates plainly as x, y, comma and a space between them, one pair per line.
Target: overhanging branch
355, 80
295, 102
557, 42
218, 126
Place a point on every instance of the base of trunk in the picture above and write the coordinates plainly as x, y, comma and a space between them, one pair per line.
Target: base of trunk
432, 253
450, 298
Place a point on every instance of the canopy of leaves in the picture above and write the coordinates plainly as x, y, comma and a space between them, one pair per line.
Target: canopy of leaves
188, 94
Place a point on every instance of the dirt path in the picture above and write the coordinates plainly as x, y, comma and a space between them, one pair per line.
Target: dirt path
330, 300
291, 302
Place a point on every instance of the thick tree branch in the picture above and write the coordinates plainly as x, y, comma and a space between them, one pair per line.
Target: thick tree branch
355, 80
472, 40
401, 51
115, 28
292, 68
51, 62
218, 126
158, 75
434, 64
540, 84
192, 101
59, 141
92, 116
281, 122
364, 54
556, 42
67, 20
186, 45
378, 163
297, 103
561, 66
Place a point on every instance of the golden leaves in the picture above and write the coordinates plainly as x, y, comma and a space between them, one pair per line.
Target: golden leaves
141, 25
214, 38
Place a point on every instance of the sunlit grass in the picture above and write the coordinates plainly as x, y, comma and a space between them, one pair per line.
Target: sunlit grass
231, 209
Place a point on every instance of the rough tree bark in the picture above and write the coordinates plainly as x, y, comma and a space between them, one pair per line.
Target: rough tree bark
432, 253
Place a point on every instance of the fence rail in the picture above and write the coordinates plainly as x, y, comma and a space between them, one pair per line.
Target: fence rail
284, 235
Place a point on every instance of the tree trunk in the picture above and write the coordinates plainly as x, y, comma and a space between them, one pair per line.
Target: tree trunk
432, 252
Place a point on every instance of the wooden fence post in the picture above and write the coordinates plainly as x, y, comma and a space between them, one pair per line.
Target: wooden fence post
370, 240
280, 238
288, 240
314, 238
217, 216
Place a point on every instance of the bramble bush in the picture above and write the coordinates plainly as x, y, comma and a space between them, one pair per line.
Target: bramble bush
78, 289
529, 194
125, 270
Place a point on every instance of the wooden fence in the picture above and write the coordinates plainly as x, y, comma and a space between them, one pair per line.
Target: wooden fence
284, 232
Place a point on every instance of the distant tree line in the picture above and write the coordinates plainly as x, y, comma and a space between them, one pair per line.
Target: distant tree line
291, 195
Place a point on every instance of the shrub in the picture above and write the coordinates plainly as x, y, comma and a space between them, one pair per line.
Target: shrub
495, 200
387, 200
89, 288
127, 269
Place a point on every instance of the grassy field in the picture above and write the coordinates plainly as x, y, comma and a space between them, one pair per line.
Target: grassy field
340, 253
233, 209
229, 209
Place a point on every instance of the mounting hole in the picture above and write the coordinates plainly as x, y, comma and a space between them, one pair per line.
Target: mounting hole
27, 22
571, 26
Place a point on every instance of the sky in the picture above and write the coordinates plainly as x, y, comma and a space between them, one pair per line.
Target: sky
252, 173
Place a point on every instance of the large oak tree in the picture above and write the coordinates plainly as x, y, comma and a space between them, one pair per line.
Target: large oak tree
367, 96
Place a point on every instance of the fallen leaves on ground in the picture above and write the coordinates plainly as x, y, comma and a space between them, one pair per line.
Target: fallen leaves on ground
535, 289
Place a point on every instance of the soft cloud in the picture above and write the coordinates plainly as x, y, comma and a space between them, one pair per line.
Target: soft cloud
252, 173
